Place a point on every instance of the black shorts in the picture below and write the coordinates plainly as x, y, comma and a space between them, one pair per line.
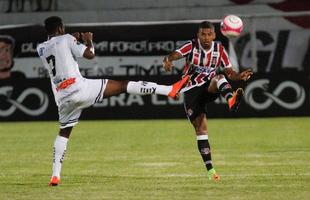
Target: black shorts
196, 99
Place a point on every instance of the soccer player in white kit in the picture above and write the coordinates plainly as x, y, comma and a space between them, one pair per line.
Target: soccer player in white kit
72, 92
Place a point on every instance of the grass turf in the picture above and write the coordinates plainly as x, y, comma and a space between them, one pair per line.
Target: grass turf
158, 159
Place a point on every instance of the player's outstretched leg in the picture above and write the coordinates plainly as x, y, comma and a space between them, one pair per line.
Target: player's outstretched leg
176, 87
142, 88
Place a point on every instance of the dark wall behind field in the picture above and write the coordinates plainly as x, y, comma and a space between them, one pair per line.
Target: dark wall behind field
135, 52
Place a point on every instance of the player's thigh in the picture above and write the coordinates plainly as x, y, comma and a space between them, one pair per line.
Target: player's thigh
213, 84
92, 92
115, 87
200, 124
69, 114
194, 103
65, 132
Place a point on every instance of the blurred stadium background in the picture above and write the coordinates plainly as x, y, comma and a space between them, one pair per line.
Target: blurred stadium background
132, 37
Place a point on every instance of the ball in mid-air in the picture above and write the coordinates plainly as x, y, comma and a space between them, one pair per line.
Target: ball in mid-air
231, 26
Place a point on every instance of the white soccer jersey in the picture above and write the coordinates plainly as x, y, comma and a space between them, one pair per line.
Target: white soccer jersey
59, 57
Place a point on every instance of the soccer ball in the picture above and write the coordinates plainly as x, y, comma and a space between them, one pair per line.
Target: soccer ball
231, 26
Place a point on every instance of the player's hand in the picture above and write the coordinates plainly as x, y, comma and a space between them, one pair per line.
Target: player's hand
245, 75
167, 64
88, 36
77, 35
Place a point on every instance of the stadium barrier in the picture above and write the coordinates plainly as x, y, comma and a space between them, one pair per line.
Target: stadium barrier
266, 95
135, 51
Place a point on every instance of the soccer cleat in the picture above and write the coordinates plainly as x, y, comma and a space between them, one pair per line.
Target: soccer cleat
212, 175
235, 100
54, 181
176, 87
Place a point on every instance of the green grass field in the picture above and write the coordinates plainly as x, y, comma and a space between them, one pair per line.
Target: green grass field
158, 159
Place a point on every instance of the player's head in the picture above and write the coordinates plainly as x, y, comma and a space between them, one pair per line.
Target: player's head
54, 25
6, 54
206, 34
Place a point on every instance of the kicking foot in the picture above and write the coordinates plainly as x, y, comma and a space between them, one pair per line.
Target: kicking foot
178, 86
212, 175
54, 181
235, 100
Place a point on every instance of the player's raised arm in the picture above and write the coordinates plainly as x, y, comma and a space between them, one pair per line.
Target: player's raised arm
89, 52
229, 71
179, 53
168, 60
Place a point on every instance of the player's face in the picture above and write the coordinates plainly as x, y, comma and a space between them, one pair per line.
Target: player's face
6, 55
206, 36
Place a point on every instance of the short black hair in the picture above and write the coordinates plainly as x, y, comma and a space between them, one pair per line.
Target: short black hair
52, 23
206, 24
8, 40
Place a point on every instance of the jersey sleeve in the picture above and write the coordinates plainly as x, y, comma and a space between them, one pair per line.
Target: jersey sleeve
224, 58
40, 50
185, 49
76, 47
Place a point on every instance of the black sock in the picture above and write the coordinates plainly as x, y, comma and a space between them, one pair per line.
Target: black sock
226, 90
205, 152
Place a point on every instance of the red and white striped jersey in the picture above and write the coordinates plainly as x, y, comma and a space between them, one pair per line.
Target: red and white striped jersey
209, 60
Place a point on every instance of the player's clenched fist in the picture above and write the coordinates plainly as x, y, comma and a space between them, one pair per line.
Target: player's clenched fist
88, 36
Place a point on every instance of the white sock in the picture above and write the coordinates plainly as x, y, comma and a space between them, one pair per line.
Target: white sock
60, 147
143, 87
220, 82
202, 137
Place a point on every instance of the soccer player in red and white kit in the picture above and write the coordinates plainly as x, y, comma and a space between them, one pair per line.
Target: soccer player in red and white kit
72, 92
204, 60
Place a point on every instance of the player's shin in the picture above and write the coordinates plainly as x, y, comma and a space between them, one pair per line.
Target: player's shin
60, 147
143, 87
205, 152
204, 149
225, 88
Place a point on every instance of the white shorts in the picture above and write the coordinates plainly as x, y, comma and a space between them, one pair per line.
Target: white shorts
82, 94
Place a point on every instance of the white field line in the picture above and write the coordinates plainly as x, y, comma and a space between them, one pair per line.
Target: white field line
222, 175
196, 175
157, 164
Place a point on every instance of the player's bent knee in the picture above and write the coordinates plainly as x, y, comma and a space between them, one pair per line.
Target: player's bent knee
65, 132
218, 77
200, 132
